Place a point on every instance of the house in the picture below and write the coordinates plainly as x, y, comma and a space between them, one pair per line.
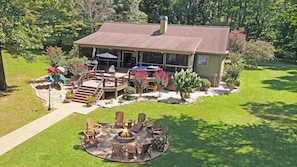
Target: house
171, 47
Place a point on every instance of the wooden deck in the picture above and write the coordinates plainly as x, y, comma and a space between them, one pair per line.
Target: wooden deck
111, 82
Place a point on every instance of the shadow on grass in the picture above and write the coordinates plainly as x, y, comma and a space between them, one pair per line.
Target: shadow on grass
198, 143
283, 82
10, 90
280, 112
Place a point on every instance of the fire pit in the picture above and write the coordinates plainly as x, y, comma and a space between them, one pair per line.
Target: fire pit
125, 136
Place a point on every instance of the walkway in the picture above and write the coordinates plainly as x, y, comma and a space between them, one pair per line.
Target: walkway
29, 130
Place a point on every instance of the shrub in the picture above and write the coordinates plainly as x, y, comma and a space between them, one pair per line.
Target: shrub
55, 55
140, 80
185, 82
204, 84
161, 79
78, 68
69, 95
127, 93
232, 71
91, 99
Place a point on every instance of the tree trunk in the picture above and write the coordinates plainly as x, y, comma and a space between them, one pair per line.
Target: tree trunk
3, 85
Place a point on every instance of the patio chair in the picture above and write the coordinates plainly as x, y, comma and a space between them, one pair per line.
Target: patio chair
131, 150
89, 140
144, 149
117, 150
157, 125
111, 69
155, 129
91, 126
119, 120
140, 123
162, 133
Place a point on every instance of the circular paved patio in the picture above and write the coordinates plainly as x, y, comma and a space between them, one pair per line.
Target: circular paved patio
107, 136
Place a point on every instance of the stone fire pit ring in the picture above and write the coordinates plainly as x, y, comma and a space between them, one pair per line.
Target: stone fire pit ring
125, 139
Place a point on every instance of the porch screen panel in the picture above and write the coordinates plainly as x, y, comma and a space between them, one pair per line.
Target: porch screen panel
154, 58
177, 59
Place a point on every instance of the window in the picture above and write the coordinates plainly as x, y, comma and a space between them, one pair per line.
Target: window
203, 60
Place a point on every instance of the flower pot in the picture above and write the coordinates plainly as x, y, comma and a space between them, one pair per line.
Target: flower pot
67, 100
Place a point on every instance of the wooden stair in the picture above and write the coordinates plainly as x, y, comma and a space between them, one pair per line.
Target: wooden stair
84, 91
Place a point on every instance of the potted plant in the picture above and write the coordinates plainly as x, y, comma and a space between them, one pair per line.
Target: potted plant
68, 96
91, 100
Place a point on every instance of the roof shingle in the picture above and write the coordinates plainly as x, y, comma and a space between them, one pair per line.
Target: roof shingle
177, 39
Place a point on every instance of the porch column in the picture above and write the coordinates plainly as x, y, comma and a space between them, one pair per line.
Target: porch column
190, 61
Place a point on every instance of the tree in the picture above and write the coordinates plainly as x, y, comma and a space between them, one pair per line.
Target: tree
60, 18
185, 82
286, 24
156, 8
128, 11
3, 84
18, 32
258, 51
94, 12
192, 12
236, 40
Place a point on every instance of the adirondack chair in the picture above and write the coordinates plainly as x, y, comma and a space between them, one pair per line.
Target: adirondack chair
140, 123
162, 133
91, 126
156, 128
89, 140
144, 149
117, 150
119, 120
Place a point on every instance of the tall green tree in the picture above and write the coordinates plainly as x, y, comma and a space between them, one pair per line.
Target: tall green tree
286, 21
156, 8
61, 19
128, 11
18, 32
192, 12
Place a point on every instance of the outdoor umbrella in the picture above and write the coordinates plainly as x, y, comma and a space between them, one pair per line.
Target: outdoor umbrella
106, 55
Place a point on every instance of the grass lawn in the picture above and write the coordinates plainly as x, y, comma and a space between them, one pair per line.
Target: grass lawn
19, 105
253, 127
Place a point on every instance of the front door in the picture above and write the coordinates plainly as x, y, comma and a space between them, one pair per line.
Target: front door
129, 59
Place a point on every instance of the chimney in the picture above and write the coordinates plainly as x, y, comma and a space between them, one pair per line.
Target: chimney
163, 24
